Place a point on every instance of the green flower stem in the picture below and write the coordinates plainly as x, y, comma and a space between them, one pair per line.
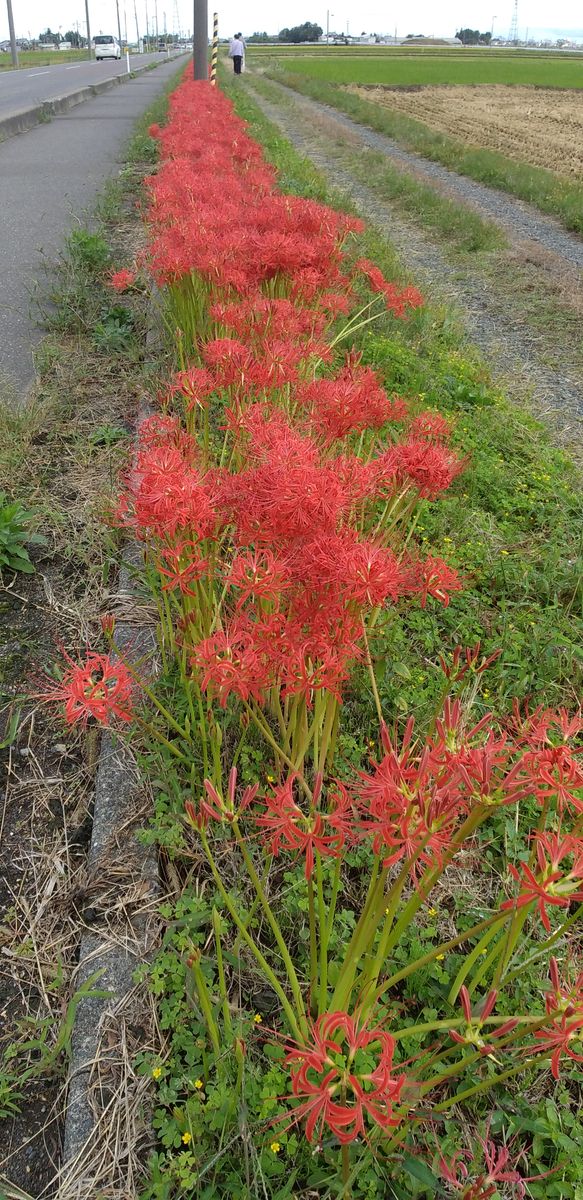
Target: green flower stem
313, 942
334, 898
546, 945
159, 737
469, 961
269, 974
327, 730
221, 974
375, 690
518, 922
476, 1056
205, 1004
486, 1084
323, 938
391, 900
442, 949
273, 923
266, 731
361, 938
430, 879
455, 1023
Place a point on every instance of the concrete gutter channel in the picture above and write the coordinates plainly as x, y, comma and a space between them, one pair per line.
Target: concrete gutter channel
118, 937
27, 118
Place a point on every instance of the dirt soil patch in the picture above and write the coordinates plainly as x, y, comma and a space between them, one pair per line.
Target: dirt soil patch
533, 125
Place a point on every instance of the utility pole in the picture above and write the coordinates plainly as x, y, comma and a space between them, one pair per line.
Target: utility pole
200, 39
156, 20
137, 26
89, 54
118, 22
13, 46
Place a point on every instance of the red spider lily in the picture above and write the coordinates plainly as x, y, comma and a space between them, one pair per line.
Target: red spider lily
409, 805
430, 427
195, 384
555, 886
433, 577
335, 1088
163, 431
317, 831
259, 573
121, 281
181, 568
352, 401
215, 808
555, 771
564, 1004
231, 662
164, 495
490, 774
366, 572
472, 1034
565, 997
466, 659
498, 1171
429, 467
99, 687
397, 300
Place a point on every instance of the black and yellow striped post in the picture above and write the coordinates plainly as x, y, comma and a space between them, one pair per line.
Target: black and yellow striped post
215, 49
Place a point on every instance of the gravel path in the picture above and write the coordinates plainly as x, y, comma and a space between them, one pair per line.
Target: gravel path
517, 218
511, 348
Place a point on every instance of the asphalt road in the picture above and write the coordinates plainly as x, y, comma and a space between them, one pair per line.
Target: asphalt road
26, 88
49, 178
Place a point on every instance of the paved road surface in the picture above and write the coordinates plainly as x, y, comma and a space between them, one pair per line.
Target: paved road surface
26, 88
48, 179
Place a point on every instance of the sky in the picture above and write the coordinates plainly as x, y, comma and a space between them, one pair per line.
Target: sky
423, 16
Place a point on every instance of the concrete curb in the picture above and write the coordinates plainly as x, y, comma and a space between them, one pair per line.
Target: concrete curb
28, 118
119, 810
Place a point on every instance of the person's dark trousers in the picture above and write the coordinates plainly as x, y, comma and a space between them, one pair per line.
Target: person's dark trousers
237, 60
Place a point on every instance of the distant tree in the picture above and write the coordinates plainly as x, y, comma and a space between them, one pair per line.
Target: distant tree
260, 37
485, 38
308, 32
76, 39
49, 38
469, 37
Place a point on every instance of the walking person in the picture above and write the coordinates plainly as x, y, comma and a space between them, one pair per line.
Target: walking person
237, 52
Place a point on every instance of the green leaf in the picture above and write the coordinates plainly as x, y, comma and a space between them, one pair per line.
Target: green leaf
420, 1171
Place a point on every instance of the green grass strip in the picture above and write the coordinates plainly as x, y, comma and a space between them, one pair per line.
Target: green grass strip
545, 190
452, 221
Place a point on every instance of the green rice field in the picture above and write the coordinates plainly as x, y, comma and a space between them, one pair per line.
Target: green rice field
42, 58
389, 66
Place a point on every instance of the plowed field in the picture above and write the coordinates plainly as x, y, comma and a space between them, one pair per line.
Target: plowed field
532, 125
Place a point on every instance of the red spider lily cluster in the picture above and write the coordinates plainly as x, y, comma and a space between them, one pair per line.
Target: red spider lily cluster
274, 494
336, 1091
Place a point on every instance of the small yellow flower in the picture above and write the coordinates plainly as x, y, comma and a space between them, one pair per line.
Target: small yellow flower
271, 778
258, 1018
198, 1084
156, 1072
432, 912
505, 552
186, 1137
275, 1147
440, 957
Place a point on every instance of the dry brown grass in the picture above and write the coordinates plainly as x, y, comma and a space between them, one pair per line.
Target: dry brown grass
532, 125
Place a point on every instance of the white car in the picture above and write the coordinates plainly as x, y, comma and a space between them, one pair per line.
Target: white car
106, 46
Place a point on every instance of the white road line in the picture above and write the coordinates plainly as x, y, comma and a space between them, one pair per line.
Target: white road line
33, 73
75, 67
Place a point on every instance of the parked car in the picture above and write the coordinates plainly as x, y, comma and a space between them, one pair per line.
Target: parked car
106, 46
